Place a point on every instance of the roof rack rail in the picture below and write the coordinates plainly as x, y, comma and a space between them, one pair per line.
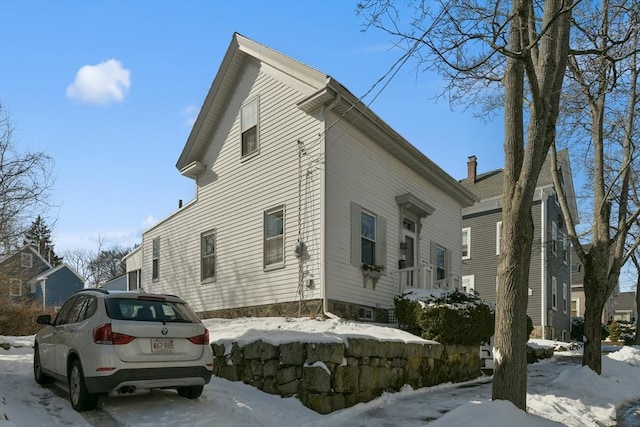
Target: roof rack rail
104, 291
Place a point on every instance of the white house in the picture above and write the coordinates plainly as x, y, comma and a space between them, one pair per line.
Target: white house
300, 187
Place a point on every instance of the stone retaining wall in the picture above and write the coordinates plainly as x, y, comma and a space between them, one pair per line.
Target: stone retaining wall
330, 376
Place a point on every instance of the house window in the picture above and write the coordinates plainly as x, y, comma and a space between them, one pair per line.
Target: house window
208, 254
26, 260
155, 266
468, 284
466, 243
134, 280
365, 313
554, 238
15, 287
249, 127
441, 263
498, 236
565, 251
565, 292
574, 308
554, 293
368, 238
274, 237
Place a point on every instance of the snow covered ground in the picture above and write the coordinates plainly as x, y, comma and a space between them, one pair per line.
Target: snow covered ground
559, 391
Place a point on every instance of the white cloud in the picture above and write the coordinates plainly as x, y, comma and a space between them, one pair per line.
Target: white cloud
191, 112
99, 84
149, 222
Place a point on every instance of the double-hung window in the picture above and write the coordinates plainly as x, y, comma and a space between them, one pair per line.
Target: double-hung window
15, 287
274, 237
155, 263
554, 238
249, 127
554, 293
441, 263
368, 237
26, 260
466, 243
208, 254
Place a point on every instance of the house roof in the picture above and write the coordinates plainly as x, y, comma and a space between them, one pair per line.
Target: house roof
23, 249
56, 269
323, 91
489, 184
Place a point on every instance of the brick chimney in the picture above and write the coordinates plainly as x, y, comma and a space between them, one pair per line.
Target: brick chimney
472, 169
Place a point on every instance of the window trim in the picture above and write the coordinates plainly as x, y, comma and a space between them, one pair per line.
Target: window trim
28, 257
374, 241
256, 151
466, 230
203, 255
155, 259
498, 237
281, 263
12, 282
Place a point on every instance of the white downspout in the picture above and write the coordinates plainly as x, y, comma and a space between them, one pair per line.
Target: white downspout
323, 203
543, 260
44, 293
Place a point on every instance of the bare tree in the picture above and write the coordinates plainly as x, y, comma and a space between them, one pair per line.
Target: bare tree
512, 55
603, 77
25, 184
79, 259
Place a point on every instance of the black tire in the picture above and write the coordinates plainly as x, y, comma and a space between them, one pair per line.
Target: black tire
191, 392
81, 399
41, 377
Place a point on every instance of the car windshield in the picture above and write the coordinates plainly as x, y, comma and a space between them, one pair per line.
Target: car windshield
149, 310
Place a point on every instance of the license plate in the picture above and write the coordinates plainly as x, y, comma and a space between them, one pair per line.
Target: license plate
161, 346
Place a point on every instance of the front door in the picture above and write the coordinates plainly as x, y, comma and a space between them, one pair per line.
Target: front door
409, 251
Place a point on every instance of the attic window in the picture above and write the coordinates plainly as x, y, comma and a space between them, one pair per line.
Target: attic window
249, 127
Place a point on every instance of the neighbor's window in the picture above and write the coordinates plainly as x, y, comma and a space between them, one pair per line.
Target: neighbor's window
554, 293
441, 265
274, 236
554, 237
249, 127
368, 238
26, 260
565, 251
565, 292
498, 236
466, 243
365, 313
208, 254
155, 267
15, 287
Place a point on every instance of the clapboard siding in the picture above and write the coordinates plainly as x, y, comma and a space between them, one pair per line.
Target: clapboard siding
359, 170
232, 196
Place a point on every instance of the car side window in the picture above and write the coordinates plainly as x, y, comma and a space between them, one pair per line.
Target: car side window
63, 314
76, 309
90, 307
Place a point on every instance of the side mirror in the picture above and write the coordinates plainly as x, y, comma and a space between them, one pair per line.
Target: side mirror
44, 319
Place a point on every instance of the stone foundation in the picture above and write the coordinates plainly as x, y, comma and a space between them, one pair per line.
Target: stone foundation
309, 308
330, 376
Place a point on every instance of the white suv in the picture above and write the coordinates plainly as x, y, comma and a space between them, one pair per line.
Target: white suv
122, 343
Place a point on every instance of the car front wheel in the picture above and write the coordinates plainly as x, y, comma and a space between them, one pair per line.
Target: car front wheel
191, 392
81, 399
41, 377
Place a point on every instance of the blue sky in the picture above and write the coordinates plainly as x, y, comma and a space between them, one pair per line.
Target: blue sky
110, 90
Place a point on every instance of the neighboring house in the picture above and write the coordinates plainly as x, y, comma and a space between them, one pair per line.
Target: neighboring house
299, 188
117, 284
625, 307
550, 270
28, 278
577, 292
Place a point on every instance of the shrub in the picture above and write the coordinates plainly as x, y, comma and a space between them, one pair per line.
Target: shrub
451, 318
20, 320
614, 331
627, 332
577, 329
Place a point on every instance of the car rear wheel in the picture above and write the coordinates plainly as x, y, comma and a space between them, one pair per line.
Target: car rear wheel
191, 392
81, 399
41, 377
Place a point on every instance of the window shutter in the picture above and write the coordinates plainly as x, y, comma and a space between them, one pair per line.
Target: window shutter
356, 248
382, 242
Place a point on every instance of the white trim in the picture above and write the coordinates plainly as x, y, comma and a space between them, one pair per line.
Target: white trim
543, 270
468, 231
498, 236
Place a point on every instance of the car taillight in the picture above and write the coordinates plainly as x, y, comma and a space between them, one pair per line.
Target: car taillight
104, 335
201, 339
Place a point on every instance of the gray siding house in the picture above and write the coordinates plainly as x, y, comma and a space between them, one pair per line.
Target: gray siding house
27, 278
306, 202
549, 303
